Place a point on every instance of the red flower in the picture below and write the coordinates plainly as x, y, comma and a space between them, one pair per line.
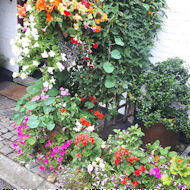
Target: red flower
123, 182
95, 46
130, 159
135, 183
87, 58
142, 168
101, 116
88, 124
82, 99
63, 110
73, 40
149, 12
67, 13
78, 155
96, 113
137, 173
85, 3
91, 66
91, 139
84, 143
79, 170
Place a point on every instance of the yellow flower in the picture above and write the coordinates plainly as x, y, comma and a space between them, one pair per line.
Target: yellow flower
61, 8
76, 26
77, 17
74, 3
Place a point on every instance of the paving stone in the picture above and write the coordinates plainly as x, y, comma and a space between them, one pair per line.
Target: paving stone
4, 130
7, 135
10, 128
12, 155
31, 164
0, 133
1, 138
1, 144
14, 132
39, 172
6, 150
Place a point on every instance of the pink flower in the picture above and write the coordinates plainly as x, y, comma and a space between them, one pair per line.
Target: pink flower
59, 159
18, 151
45, 89
46, 160
14, 145
158, 175
52, 154
22, 141
152, 172
62, 152
27, 135
86, 26
50, 168
35, 98
48, 143
62, 89
42, 168
55, 149
25, 120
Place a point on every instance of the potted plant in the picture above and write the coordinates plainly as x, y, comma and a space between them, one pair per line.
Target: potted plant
164, 102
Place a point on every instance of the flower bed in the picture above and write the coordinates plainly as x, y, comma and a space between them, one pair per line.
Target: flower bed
81, 49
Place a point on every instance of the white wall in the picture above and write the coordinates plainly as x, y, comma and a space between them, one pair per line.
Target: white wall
8, 23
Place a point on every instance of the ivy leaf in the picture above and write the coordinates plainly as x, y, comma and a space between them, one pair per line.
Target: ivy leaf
96, 152
119, 42
110, 82
115, 54
49, 101
108, 67
31, 105
34, 89
47, 109
50, 126
33, 121
31, 140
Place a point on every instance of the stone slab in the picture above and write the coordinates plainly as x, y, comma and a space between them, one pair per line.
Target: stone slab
6, 150
18, 176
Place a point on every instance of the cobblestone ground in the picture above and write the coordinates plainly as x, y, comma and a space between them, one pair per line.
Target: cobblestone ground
8, 135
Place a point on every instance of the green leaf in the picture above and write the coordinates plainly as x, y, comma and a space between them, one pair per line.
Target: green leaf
186, 181
108, 67
49, 101
96, 152
47, 109
33, 121
34, 89
53, 92
50, 126
155, 145
89, 105
172, 154
18, 117
31, 140
110, 82
31, 105
115, 54
147, 7
119, 42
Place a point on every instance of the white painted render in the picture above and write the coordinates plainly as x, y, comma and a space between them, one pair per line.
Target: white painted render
8, 23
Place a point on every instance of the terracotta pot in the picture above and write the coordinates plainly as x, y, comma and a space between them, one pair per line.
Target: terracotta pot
159, 132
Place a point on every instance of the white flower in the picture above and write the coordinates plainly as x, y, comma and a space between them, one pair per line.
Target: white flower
18, 36
102, 165
51, 53
50, 70
18, 26
63, 55
90, 128
93, 164
28, 8
90, 168
25, 67
46, 84
77, 129
98, 159
64, 104
60, 66
15, 75
34, 31
35, 63
25, 42
31, 17
28, 31
36, 45
36, 37
52, 80
23, 76
26, 24
16, 50
20, 58
26, 51
12, 61
44, 55
33, 24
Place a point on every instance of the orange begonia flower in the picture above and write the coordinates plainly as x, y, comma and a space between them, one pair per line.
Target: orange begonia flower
97, 21
40, 5
98, 28
56, 3
49, 9
149, 12
21, 11
156, 158
49, 18
91, 10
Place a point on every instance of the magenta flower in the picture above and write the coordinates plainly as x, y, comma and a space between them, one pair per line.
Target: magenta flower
59, 159
152, 172
14, 145
42, 168
27, 135
22, 141
55, 149
158, 175
18, 151
49, 142
46, 160
62, 152
40, 157
52, 154
157, 170
26, 120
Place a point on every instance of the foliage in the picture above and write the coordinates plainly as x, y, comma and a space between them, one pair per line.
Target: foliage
157, 102
2, 59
